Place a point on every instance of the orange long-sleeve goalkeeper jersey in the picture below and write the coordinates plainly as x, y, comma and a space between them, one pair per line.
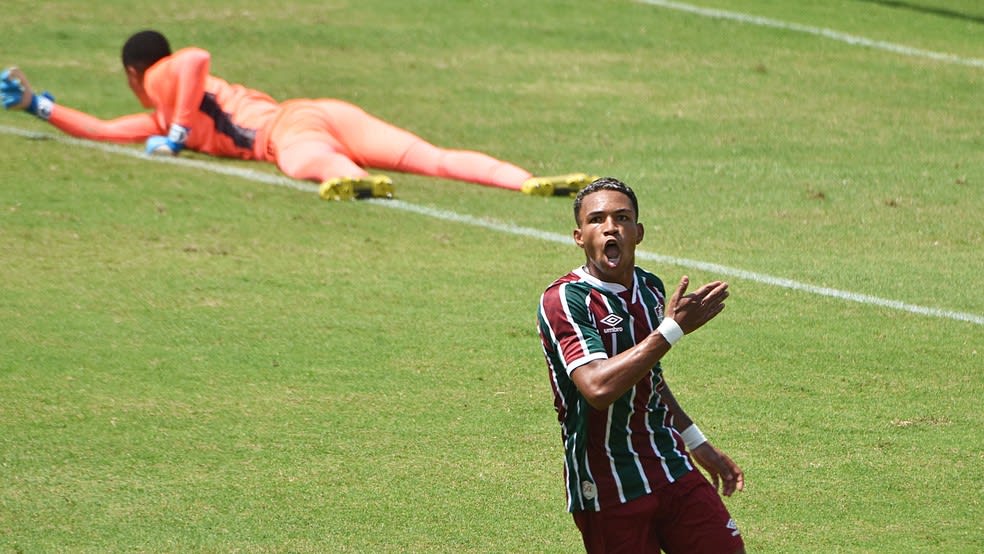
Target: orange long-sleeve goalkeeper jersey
223, 119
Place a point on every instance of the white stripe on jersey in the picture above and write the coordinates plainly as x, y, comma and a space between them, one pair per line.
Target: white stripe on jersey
628, 443
611, 459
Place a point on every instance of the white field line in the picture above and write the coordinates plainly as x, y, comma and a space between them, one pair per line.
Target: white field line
853, 40
508, 228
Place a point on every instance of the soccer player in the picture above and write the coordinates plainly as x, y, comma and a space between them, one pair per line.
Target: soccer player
323, 140
632, 484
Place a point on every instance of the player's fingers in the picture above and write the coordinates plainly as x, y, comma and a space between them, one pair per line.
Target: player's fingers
680, 290
717, 289
728, 481
682, 287
710, 291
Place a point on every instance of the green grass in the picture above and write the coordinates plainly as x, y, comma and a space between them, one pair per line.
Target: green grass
192, 362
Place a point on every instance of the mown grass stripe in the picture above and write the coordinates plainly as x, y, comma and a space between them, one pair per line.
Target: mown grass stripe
846, 38
508, 228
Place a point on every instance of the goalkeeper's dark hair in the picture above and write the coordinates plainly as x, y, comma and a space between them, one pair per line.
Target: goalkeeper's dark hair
604, 183
144, 49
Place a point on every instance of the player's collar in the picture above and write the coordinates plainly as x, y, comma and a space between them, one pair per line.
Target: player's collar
616, 288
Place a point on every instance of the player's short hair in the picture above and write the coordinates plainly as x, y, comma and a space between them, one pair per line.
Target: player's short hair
604, 183
144, 49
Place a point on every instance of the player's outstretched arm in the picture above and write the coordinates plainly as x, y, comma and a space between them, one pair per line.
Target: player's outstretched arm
17, 94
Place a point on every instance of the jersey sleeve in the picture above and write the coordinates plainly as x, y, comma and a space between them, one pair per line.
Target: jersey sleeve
129, 128
177, 85
567, 328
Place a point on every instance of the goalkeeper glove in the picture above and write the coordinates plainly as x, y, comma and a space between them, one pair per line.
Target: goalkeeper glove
12, 90
173, 143
17, 94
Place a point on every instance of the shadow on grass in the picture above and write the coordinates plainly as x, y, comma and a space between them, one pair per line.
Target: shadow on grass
928, 9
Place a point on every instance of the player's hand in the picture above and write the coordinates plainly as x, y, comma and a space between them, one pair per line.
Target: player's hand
18, 95
693, 310
158, 145
15, 89
722, 469
169, 145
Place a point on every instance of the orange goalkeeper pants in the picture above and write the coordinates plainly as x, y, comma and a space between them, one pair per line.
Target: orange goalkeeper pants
319, 139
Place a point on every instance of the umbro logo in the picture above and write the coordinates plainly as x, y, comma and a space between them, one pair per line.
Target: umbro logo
611, 320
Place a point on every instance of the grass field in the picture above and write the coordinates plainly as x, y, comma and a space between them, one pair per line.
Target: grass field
199, 362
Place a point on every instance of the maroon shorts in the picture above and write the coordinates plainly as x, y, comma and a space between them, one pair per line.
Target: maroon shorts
687, 516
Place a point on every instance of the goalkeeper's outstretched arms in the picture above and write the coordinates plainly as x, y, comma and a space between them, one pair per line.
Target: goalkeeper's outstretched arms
17, 94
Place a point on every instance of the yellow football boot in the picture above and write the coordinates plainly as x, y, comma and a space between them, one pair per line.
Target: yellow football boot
352, 188
557, 185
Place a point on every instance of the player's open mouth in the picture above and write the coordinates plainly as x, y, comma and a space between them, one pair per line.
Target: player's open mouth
612, 253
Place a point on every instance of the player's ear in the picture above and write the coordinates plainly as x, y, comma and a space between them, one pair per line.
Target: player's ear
641, 231
133, 77
578, 238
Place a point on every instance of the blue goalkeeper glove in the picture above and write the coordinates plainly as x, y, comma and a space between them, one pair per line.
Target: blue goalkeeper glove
17, 94
170, 145
11, 90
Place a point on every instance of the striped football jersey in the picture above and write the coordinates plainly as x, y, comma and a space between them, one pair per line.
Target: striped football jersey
630, 449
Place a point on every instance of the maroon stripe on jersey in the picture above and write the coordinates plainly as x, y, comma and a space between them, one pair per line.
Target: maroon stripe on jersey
564, 330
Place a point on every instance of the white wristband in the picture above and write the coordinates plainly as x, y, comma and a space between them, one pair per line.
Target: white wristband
670, 330
692, 437
177, 134
44, 106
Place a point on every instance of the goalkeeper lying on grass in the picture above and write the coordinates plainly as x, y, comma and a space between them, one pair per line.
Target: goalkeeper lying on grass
323, 140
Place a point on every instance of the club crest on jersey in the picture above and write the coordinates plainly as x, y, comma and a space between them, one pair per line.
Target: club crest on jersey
588, 490
611, 320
